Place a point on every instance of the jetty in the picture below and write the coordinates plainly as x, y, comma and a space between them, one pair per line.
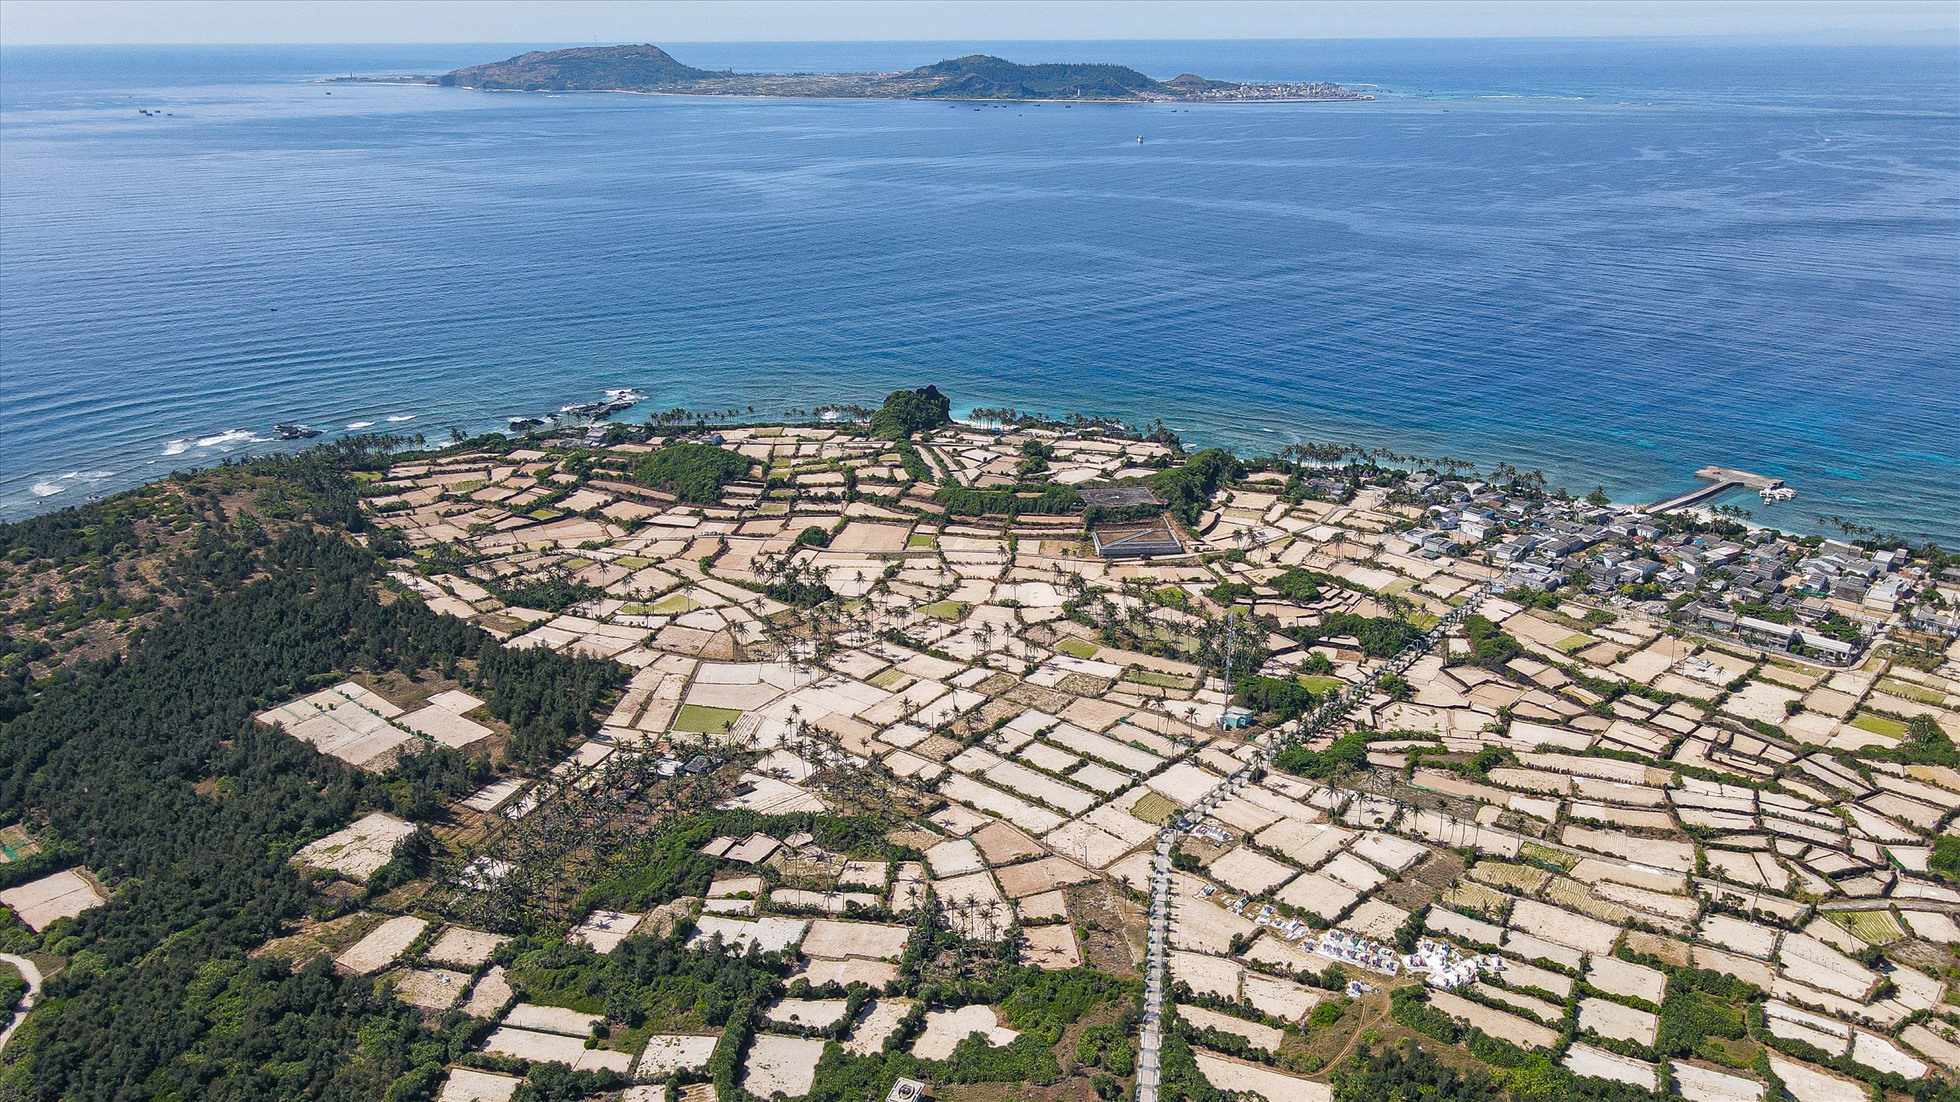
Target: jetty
1722, 481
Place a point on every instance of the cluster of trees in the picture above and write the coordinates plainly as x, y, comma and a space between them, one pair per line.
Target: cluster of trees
1188, 488
551, 591
1490, 645
1008, 501
694, 473
1379, 636
1280, 697
149, 768
1345, 754
909, 412
547, 698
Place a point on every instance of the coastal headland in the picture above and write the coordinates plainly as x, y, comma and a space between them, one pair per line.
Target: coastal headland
650, 70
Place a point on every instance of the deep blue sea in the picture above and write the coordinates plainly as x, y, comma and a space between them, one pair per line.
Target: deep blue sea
1614, 260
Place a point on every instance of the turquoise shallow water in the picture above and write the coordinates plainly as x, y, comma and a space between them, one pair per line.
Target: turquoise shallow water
1615, 261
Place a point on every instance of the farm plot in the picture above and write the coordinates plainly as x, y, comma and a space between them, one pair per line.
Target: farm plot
64, 894
1228, 1074
785, 1064
945, 1029
667, 1053
382, 946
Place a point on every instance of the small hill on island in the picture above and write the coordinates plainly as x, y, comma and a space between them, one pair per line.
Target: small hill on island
647, 68
981, 76
586, 69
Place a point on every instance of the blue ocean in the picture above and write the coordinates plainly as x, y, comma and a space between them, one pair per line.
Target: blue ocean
1616, 261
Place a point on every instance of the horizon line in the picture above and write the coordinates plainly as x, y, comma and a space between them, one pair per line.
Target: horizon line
1933, 35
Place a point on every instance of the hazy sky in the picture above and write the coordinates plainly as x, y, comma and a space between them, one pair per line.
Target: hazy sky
520, 21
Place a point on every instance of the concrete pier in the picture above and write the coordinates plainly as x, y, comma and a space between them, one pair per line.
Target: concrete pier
1722, 481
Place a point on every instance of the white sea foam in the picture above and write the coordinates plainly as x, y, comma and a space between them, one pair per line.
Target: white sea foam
229, 436
177, 447
47, 489
401, 417
359, 424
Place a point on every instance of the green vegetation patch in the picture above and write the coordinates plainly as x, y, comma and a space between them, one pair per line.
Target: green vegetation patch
694, 473
952, 611
1157, 679
1532, 851
906, 412
888, 679
701, 719
919, 539
1874, 927
1572, 643
1321, 685
1078, 648
1918, 694
674, 604
1879, 725
1155, 807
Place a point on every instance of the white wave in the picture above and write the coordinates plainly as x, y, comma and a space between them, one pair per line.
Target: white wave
177, 447
47, 489
401, 417
229, 436
359, 424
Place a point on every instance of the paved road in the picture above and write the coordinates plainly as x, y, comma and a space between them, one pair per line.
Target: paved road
1157, 970
33, 977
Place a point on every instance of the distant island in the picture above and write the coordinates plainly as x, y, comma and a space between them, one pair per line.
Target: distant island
651, 70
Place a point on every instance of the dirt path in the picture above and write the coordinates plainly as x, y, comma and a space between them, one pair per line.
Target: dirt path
33, 977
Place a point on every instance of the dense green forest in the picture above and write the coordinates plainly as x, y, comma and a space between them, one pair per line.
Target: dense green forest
908, 412
147, 767
695, 473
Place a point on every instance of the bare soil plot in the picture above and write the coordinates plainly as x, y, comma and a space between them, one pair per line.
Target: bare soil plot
604, 930
464, 947
1184, 783
835, 940
1807, 1084
523, 1044
1050, 947
667, 1053
488, 997
1319, 895
881, 1019
945, 1029
1699, 1084
874, 974
808, 1013
1250, 871
1564, 927
772, 934
64, 894
1610, 1019
1259, 1036
1497, 1023
471, 1085
381, 947
1282, 999
430, 988
1618, 977
551, 1019
1228, 1074
1035, 877
1584, 1059
359, 849
1001, 844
